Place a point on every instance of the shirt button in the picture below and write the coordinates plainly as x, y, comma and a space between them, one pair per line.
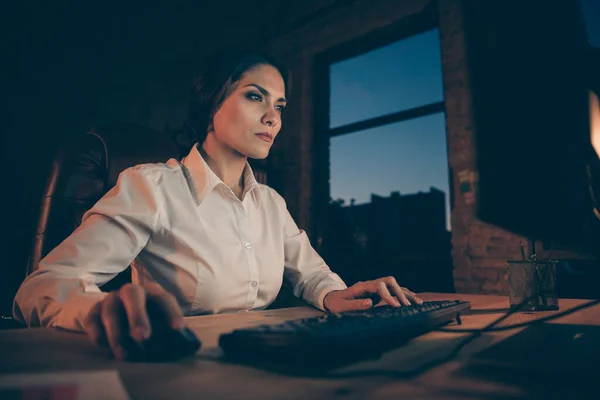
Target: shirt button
254, 284
248, 245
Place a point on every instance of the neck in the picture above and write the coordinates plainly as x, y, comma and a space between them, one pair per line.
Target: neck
226, 163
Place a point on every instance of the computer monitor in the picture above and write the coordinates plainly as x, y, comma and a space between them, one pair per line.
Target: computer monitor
535, 89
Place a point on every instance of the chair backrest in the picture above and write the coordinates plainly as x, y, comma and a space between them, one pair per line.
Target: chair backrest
84, 169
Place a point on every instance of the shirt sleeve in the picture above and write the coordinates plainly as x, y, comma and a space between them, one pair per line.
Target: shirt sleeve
112, 233
308, 273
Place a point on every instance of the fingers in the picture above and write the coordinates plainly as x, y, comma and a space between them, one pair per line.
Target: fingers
412, 296
115, 324
389, 286
385, 294
121, 319
397, 290
94, 327
358, 289
351, 305
168, 305
354, 297
133, 298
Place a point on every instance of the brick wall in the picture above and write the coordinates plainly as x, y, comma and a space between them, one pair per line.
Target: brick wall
479, 250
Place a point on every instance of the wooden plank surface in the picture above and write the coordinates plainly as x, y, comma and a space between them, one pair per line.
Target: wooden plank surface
209, 376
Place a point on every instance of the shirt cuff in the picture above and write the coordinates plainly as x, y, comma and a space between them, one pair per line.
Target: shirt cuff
75, 309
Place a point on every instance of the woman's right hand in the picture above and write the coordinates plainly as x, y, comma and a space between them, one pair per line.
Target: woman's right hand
121, 321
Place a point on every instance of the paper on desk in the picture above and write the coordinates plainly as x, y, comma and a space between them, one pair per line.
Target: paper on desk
90, 385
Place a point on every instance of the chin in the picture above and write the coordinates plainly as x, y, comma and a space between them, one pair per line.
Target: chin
258, 155
257, 152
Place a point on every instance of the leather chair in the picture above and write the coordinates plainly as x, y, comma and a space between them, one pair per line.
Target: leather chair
84, 169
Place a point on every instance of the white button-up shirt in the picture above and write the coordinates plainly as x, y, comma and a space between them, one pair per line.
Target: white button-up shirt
180, 226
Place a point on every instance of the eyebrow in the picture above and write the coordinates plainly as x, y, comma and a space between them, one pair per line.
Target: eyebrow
265, 92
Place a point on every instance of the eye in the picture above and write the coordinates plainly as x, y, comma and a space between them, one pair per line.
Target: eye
280, 108
254, 96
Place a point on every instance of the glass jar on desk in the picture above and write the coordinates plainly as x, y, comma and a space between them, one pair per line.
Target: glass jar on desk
532, 285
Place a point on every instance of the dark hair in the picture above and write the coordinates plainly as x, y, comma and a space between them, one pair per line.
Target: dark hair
216, 79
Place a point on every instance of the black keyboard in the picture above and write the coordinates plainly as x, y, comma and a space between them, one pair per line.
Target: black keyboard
338, 338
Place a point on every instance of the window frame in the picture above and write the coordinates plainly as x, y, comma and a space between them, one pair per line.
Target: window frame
401, 30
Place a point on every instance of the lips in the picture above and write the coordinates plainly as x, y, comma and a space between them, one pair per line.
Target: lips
267, 137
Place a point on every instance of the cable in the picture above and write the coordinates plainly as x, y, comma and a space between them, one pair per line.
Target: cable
450, 356
426, 366
540, 293
475, 334
521, 324
490, 327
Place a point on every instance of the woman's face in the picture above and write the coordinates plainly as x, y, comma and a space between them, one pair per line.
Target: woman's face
250, 117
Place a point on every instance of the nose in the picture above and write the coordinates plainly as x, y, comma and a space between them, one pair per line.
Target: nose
271, 118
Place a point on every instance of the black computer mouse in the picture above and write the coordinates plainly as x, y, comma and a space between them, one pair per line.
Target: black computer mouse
165, 343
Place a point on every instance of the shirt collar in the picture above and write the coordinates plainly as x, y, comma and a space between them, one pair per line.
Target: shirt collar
204, 180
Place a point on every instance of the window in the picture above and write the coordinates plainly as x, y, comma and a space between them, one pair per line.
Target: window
389, 184
408, 157
591, 16
386, 122
398, 77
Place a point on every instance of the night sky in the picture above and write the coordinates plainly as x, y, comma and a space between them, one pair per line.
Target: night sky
409, 156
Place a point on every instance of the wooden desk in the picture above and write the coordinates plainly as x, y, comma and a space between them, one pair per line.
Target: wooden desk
206, 376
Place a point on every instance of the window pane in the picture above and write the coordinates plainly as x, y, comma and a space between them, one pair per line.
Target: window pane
397, 77
591, 17
408, 157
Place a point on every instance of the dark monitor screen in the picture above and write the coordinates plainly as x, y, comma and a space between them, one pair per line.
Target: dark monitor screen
534, 80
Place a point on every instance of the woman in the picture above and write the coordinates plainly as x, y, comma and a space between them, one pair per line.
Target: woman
201, 234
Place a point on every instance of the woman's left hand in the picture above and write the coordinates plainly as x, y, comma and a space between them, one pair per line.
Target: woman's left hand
355, 297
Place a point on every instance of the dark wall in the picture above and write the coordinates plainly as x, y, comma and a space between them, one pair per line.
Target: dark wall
77, 63
72, 64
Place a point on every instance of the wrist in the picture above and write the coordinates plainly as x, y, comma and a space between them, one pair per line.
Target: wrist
325, 301
74, 312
